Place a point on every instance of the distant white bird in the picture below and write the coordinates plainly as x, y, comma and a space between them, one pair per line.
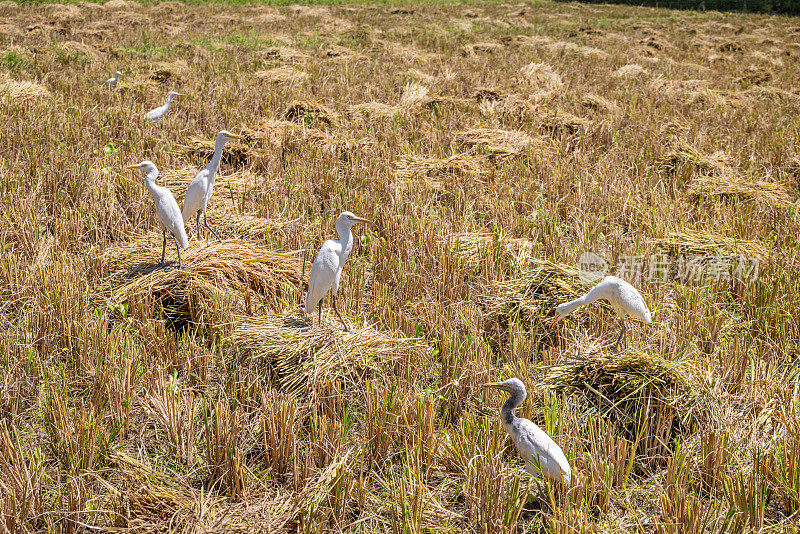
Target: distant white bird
112, 82
540, 452
199, 192
169, 214
327, 268
622, 296
156, 114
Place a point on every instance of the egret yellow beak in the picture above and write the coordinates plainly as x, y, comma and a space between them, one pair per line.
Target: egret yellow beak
136, 166
493, 385
234, 136
555, 320
359, 219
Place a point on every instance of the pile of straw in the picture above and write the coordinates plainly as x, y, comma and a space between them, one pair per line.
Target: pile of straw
300, 357
284, 75
501, 143
216, 279
413, 165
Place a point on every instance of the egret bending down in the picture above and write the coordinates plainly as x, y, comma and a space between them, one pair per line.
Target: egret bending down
169, 215
156, 114
622, 296
540, 452
199, 192
112, 82
327, 268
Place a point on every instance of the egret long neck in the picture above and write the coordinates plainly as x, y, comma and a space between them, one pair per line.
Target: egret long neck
150, 182
346, 239
511, 403
595, 294
214, 165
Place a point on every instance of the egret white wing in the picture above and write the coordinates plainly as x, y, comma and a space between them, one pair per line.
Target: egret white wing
195, 195
323, 273
170, 216
540, 451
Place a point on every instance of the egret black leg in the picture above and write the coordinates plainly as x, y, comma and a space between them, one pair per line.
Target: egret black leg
621, 341
333, 301
319, 313
163, 245
198, 226
205, 221
178, 248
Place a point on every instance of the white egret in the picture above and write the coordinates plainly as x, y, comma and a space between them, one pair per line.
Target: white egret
169, 214
156, 114
112, 82
199, 192
327, 268
622, 296
540, 452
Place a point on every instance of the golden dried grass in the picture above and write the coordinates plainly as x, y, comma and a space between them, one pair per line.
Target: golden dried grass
284, 75
731, 185
216, 278
300, 357
22, 91
501, 143
413, 165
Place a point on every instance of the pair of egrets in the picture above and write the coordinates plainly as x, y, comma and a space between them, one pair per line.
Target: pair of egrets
154, 114
170, 217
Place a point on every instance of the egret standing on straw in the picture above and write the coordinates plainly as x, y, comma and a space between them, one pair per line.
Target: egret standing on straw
169, 214
111, 83
540, 452
156, 114
622, 296
199, 192
327, 268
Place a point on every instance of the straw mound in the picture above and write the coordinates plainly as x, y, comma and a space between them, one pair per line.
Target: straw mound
342, 53
481, 48
598, 103
682, 154
305, 111
164, 72
677, 88
622, 376
501, 143
560, 122
155, 501
589, 51
645, 395
284, 54
414, 97
272, 134
528, 299
234, 152
488, 94
22, 91
216, 278
695, 242
542, 77
301, 357
754, 75
74, 47
114, 5
413, 165
735, 186
770, 92
631, 70
282, 75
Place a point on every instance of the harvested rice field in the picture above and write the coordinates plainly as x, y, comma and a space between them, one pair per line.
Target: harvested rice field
507, 156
